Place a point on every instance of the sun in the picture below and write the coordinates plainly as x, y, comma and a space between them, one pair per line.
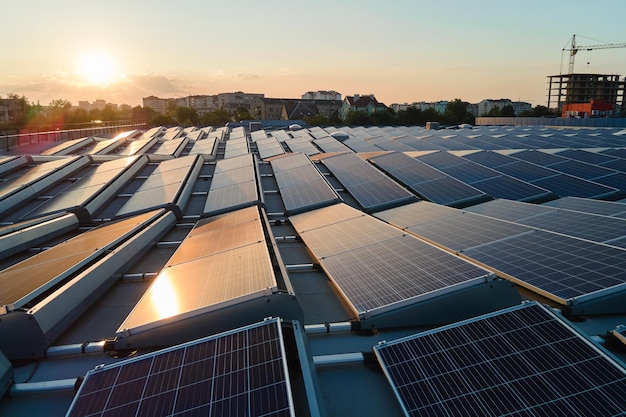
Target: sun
97, 68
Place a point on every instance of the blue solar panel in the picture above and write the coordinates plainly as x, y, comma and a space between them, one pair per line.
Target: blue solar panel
523, 361
371, 188
448, 191
537, 157
301, 185
607, 208
585, 156
561, 267
429, 183
511, 188
489, 159
243, 372
581, 169
565, 185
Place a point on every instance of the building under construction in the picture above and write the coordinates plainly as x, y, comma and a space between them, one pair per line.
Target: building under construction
566, 90
586, 95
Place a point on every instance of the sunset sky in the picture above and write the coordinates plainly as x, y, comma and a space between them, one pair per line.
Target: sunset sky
401, 51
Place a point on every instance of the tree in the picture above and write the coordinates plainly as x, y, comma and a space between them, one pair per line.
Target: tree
457, 113
61, 104
218, 117
383, 117
539, 111
412, 116
316, 120
507, 111
187, 116
108, 113
162, 120
357, 118
142, 114
431, 115
242, 113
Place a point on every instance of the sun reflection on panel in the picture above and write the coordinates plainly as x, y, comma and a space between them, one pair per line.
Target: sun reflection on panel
164, 297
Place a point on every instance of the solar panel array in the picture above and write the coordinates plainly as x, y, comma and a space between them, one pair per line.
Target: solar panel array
233, 185
606, 208
301, 185
487, 180
377, 267
237, 373
568, 270
429, 183
370, 187
559, 183
94, 189
16, 190
26, 280
592, 227
523, 361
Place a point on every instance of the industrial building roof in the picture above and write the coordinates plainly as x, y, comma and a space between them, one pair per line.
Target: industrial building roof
348, 271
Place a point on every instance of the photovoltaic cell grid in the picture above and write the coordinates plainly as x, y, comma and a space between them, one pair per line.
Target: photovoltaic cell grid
233, 185
519, 362
397, 271
465, 231
428, 182
370, 187
487, 180
239, 373
602, 229
301, 185
376, 267
528, 169
559, 266
606, 208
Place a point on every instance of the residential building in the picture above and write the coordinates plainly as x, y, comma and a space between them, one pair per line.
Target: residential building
520, 107
364, 103
322, 95
299, 109
485, 106
96, 105
237, 100
262, 108
11, 109
157, 104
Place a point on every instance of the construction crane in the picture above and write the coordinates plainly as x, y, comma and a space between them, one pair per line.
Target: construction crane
573, 49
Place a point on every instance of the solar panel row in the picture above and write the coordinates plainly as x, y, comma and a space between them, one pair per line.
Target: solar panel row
375, 266
568, 270
429, 183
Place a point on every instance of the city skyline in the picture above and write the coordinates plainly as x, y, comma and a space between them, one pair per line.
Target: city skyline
400, 52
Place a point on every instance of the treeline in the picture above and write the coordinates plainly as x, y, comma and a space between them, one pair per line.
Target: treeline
60, 114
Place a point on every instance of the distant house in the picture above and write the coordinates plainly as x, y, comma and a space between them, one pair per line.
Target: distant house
366, 104
300, 109
265, 108
11, 109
